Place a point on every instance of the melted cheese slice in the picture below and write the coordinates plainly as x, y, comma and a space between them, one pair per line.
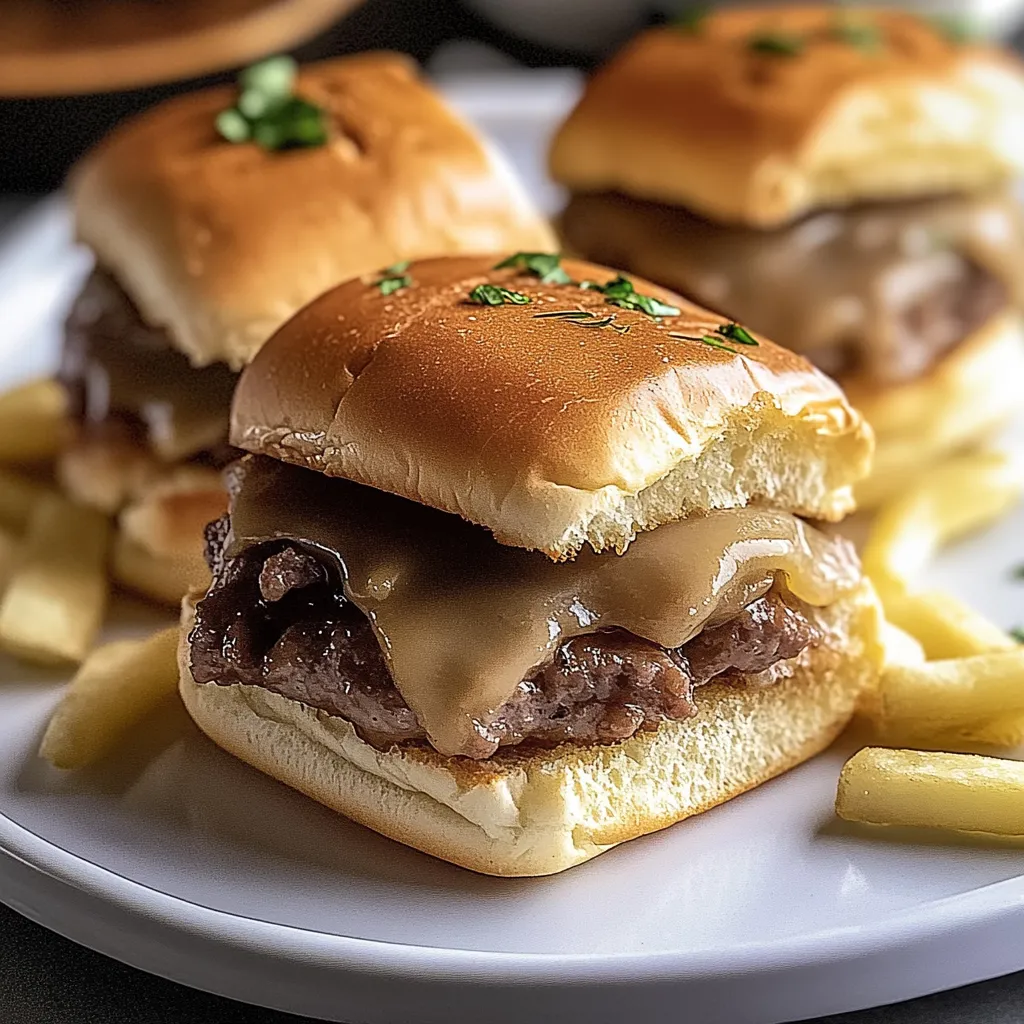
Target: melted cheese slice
462, 619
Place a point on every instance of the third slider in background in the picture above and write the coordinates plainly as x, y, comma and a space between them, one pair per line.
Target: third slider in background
838, 180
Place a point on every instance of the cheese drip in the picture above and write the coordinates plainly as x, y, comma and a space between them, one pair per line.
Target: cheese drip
462, 619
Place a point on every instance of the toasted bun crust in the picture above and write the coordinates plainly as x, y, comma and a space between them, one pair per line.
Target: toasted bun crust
548, 434
221, 243
542, 812
703, 120
158, 548
966, 398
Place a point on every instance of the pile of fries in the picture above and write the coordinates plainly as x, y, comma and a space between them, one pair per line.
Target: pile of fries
954, 681
54, 588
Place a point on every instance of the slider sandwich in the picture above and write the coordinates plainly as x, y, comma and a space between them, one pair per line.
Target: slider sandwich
518, 567
213, 218
841, 181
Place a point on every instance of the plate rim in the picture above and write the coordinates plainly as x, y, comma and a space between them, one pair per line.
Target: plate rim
907, 929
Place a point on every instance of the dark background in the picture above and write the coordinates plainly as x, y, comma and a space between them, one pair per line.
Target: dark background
43, 136
47, 980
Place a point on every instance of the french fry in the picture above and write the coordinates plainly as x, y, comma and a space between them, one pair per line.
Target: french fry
19, 495
961, 495
965, 792
114, 688
54, 601
33, 424
901, 648
945, 626
950, 698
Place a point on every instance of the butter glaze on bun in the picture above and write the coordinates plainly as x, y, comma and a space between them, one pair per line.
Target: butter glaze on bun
536, 812
221, 243
548, 433
703, 119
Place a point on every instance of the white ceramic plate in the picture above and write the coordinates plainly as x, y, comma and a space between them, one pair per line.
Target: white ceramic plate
185, 862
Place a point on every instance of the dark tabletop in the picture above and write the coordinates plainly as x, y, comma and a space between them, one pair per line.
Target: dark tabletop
45, 979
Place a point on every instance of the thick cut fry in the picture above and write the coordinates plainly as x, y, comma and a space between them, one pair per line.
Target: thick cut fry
114, 688
951, 697
55, 599
961, 495
945, 626
33, 424
964, 792
19, 496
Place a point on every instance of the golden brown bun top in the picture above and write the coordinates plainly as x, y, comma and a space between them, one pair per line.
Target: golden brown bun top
549, 433
706, 119
221, 243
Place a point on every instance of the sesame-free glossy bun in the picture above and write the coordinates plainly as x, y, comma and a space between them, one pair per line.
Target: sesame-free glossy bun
549, 433
701, 119
221, 243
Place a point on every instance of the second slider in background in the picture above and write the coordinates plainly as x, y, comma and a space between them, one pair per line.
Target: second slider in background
838, 180
212, 223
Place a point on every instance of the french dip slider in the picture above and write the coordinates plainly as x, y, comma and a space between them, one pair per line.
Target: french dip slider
518, 566
838, 179
213, 218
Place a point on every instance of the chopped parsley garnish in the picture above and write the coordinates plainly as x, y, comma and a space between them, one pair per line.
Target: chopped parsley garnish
564, 314
620, 292
545, 265
862, 34
957, 28
394, 278
777, 44
269, 113
726, 332
734, 332
583, 318
492, 295
691, 21
1018, 634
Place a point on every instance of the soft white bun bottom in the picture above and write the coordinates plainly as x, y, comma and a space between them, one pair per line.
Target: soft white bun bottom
540, 812
963, 400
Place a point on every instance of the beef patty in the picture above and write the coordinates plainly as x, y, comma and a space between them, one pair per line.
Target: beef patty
125, 380
276, 618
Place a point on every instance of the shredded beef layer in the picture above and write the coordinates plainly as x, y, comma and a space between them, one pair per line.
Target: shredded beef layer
276, 618
105, 327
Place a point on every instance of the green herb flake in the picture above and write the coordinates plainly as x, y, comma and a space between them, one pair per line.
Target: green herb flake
777, 44
734, 332
564, 314
620, 292
1018, 634
691, 21
711, 340
1017, 572
493, 295
268, 112
863, 35
545, 265
957, 28
231, 125
274, 76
